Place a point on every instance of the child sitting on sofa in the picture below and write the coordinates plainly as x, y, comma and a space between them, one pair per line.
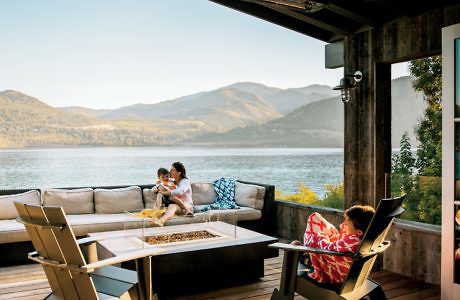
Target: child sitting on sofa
163, 183
323, 235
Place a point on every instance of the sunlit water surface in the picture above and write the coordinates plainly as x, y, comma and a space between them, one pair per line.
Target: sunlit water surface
66, 167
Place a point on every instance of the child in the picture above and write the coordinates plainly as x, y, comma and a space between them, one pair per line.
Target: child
323, 235
163, 183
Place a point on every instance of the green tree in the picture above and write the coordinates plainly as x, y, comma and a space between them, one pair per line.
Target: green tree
427, 73
403, 165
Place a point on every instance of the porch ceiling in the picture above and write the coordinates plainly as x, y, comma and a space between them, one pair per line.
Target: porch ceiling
331, 20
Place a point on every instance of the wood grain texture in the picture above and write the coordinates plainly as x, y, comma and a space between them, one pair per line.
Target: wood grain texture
395, 286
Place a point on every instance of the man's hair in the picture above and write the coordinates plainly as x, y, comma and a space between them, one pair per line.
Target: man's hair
162, 171
360, 216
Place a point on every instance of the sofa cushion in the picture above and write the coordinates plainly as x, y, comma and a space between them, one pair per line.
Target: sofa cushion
7, 208
203, 193
149, 198
84, 224
245, 194
260, 197
77, 201
259, 203
112, 201
226, 215
12, 231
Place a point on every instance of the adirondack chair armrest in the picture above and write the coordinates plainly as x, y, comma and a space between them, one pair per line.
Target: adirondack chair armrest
382, 247
298, 248
88, 240
132, 255
47, 262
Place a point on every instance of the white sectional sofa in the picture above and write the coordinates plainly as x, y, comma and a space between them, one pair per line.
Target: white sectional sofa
97, 209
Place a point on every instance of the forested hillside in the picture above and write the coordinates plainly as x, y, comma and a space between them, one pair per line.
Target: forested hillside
25, 121
242, 114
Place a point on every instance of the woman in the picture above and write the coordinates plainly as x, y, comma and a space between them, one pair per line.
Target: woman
181, 196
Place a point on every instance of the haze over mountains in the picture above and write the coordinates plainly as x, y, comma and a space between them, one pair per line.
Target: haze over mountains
241, 114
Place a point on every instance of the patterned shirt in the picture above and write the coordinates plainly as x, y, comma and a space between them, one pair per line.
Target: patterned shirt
330, 268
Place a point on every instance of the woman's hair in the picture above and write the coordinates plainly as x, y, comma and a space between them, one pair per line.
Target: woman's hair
180, 168
360, 216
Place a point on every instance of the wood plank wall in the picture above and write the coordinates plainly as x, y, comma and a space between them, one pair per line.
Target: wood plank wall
415, 247
367, 150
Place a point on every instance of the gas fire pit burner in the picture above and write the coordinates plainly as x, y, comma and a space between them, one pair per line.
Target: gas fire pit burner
179, 237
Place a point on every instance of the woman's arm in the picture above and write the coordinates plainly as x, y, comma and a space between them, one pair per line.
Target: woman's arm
183, 187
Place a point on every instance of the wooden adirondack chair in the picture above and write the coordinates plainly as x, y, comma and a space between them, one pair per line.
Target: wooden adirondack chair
357, 284
68, 273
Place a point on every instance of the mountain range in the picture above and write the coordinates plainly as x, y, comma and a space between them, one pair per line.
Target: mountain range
241, 114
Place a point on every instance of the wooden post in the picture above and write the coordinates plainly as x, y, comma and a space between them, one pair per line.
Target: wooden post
367, 147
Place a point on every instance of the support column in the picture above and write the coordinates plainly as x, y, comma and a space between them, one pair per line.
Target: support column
367, 146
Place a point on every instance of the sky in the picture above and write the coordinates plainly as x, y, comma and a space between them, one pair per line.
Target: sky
113, 53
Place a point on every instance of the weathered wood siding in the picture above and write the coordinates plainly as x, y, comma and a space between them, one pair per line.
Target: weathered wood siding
415, 247
367, 123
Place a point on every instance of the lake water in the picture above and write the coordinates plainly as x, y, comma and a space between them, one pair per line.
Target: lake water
66, 167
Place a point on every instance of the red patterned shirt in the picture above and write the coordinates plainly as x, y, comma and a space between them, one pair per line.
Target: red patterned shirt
330, 268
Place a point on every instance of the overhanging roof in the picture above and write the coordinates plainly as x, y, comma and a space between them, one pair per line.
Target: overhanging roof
331, 20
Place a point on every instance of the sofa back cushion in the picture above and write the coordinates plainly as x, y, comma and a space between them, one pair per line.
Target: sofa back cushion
245, 195
113, 201
74, 202
249, 195
7, 208
149, 198
203, 193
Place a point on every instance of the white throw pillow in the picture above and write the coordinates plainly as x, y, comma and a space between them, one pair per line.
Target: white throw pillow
113, 201
8, 210
203, 193
245, 194
74, 202
260, 197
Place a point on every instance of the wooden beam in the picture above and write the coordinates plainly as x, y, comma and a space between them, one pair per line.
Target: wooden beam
351, 15
306, 19
294, 4
278, 18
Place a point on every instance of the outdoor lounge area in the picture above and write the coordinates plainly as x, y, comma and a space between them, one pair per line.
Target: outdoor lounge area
207, 261
83, 243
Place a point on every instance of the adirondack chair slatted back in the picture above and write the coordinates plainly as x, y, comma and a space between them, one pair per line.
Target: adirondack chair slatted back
55, 241
375, 234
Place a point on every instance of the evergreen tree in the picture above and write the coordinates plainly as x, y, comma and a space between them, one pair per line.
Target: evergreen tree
427, 73
403, 165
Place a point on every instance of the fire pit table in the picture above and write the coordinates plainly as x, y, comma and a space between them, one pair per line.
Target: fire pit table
192, 257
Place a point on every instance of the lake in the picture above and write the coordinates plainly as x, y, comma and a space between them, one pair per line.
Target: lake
66, 167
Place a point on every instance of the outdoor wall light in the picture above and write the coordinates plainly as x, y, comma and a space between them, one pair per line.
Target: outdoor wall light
347, 85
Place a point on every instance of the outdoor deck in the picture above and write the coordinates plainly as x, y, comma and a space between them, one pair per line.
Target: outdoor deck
29, 282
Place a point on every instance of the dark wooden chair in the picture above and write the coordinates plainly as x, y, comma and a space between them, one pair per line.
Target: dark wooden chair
67, 270
357, 284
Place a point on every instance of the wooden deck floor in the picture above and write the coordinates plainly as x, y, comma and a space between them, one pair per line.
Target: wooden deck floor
29, 282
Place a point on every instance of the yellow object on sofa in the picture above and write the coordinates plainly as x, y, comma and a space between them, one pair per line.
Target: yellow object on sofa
154, 213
